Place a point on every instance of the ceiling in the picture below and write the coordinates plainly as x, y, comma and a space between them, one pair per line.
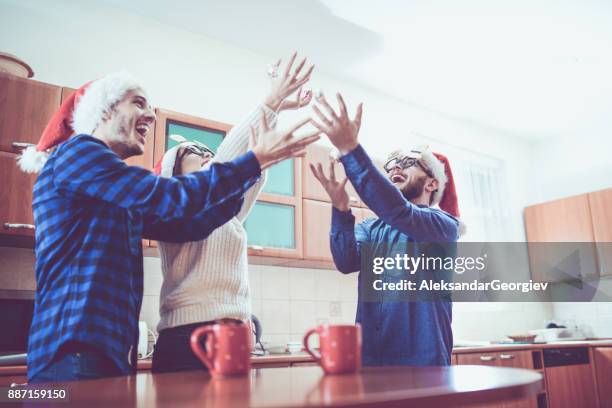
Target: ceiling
533, 68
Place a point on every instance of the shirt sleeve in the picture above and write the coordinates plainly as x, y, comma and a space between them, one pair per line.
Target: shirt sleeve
86, 167
345, 241
382, 197
194, 228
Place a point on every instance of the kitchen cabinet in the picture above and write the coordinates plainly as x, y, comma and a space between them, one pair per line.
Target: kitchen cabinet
26, 106
312, 189
602, 358
510, 358
16, 197
317, 224
601, 205
568, 223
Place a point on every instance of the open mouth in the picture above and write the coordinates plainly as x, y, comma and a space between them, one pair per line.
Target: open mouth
142, 129
397, 178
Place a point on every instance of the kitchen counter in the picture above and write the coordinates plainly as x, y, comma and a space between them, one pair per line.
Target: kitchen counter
308, 386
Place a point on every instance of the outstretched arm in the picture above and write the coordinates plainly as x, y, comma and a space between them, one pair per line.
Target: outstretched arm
373, 187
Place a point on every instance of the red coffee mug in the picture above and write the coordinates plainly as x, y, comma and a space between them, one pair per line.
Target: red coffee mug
228, 348
340, 347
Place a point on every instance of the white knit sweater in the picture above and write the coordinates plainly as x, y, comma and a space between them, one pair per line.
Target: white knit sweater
207, 280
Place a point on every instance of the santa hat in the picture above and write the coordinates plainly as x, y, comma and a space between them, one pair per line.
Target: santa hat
445, 197
80, 113
165, 166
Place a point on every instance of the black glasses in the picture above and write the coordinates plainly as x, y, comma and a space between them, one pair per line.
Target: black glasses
199, 149
405, 162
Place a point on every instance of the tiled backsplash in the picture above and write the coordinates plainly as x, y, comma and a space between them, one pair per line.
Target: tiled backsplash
290, 300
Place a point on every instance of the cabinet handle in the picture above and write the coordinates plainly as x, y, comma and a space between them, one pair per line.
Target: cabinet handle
487, 358
22, 145
256, 247
506, 356
8, 225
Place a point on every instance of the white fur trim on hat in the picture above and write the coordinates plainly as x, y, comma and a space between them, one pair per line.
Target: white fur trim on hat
31, 160
437, 169
98, 98
169, 159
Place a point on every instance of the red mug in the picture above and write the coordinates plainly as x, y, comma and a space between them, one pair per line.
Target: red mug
228, 348
340, 347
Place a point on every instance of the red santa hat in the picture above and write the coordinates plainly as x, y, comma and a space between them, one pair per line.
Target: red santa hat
445, 197
80, 113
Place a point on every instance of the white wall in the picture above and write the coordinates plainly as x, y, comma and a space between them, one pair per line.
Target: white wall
69, 43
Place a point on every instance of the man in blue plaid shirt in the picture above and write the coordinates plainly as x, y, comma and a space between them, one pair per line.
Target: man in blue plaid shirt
91, 212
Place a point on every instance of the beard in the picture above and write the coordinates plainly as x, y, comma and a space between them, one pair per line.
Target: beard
124, 137
414, 188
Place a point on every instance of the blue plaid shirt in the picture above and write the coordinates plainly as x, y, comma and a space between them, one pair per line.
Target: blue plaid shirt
91, 212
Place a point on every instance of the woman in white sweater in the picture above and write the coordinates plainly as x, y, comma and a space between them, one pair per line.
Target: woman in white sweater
206, 281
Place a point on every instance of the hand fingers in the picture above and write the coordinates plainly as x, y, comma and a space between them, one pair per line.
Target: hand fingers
297, 70
343, 112
344, 182
332, 171
357, 120
314, 171
297, 126
252, 137
306, 76
305, 98
264, 122
326, 105
322, 176
321, 116
323, 129
288, 68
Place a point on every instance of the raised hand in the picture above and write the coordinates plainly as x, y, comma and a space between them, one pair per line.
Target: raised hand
271, 146
340, 130
335, 189
286, 83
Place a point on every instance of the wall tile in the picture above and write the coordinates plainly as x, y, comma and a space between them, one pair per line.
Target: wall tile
302, 284
275, 283
302, 316
150, 311
327, 285
153, 276
276, 316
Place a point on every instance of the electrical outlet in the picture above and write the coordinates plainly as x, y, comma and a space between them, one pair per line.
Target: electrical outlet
335, 309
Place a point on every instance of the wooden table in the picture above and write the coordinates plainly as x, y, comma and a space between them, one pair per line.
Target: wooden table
309, 387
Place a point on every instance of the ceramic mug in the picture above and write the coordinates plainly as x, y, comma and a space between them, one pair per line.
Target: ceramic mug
340, 348
228, 348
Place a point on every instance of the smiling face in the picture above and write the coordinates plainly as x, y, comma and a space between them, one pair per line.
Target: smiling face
413, 182
126, 127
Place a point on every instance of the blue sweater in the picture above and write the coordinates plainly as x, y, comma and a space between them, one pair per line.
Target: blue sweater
395, 331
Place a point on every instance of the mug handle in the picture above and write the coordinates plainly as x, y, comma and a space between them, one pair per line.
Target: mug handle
206, 356
307, 347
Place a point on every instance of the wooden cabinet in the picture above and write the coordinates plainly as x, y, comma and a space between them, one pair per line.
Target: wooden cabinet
570, 386
312, 189
602, 358
568, 223
511, 358
26, 106
16, 197
601, 213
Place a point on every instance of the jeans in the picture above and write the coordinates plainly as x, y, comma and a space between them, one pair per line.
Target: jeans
71, 365
173, 350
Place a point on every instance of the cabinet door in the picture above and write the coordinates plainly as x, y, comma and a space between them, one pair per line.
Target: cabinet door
26, 106
570, 386
274, 229
603, 370
15, 197
311, 188
565, 221
601, 211
488, 359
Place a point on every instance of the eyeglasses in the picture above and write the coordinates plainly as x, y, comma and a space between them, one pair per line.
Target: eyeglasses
405, 162
199, 149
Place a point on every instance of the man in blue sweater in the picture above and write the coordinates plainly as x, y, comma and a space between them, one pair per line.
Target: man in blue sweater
396, 330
